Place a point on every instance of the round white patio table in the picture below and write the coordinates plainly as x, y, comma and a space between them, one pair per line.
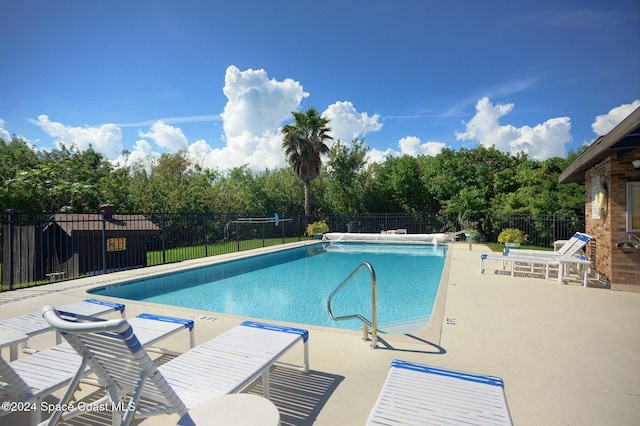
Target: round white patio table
238, 409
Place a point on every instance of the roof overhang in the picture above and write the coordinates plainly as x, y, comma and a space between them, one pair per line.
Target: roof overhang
621, 141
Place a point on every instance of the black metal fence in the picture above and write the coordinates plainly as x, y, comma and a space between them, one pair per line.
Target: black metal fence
541, 230
37, 248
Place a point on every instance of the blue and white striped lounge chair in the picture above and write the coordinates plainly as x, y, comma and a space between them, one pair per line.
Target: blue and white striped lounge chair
564, 264
416, 394
223, 365
32, 324
32, 378
564, 259
572, 247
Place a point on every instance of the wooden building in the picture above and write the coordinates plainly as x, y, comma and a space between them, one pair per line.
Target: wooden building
70, 245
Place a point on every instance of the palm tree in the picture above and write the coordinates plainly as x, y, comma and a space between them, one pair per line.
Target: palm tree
303, 144
469, 205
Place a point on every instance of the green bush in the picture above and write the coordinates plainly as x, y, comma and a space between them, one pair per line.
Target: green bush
512, 235
319, 227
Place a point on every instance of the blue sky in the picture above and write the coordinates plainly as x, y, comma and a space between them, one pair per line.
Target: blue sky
218, 79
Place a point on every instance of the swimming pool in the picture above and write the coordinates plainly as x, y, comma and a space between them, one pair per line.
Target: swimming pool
293, 285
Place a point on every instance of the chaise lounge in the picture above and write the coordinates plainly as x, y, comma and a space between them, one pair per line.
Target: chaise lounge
419, 394
32, 378
32, 324
565, 259
223, 365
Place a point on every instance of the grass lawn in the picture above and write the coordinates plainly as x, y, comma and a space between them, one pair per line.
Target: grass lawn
183, 253
222, 247
500, 247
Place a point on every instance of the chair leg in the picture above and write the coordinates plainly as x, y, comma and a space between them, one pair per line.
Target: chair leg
265, 382
36, 415
69, 392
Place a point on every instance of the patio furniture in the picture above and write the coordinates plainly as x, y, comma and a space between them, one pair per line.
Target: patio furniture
32, 324
238, 409
32, 378
12, 387
419, 394
565, 264
12, 339
567, 248
223, 365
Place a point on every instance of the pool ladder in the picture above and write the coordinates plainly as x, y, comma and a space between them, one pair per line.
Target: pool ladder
374, 308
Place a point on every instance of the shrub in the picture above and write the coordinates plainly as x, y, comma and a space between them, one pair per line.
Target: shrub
512, 235
319, 227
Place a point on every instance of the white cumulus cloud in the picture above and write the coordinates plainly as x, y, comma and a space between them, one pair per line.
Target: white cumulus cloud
106, 139
348, 124
166, 136
4, 134
604, 123
256, 107
410, 145
540, 142
142, 154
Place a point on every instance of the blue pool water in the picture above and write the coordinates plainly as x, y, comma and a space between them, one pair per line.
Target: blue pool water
293, 285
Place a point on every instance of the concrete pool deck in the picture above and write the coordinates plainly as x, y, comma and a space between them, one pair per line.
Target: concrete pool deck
567, 354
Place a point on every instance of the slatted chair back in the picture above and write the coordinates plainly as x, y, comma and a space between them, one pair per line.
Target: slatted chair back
571, 247
114, 354
12, 387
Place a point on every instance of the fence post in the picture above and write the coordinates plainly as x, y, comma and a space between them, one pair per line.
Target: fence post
164, 250
238, 234
11, 253
104, 241
204, 230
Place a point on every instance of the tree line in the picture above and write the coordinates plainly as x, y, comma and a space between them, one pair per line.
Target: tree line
469, 182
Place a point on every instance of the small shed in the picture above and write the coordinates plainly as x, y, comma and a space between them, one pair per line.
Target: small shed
94, 243
69, 245
610, 169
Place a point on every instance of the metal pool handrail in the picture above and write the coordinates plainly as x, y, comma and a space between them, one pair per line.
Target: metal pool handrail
374, 308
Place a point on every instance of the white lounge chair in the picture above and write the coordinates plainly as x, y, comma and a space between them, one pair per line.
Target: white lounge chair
12, 387
225, 364
34, 377
572, 246
32, 324
578, 263
565, 259
418, 394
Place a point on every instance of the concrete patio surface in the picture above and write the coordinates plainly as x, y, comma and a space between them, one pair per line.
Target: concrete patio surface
568, 355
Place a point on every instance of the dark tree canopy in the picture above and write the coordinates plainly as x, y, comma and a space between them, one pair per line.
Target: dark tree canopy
338, 180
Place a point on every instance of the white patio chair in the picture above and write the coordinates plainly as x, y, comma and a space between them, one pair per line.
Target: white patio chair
12, 387
32, 324
564, 259
225, 364
418, 394
52, 369
571, 247
563, 264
